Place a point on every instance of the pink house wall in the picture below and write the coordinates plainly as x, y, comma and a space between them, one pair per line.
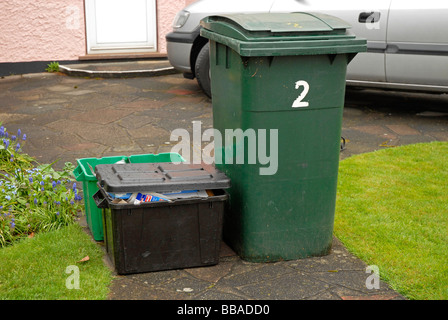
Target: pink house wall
166, 11
53, 30
41, 30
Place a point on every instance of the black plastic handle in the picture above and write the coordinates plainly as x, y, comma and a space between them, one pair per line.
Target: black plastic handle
100, 200
369, 17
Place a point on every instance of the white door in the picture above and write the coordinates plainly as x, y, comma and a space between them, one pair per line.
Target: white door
120, 26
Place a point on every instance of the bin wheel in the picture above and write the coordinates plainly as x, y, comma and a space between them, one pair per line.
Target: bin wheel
342, 144
202, 70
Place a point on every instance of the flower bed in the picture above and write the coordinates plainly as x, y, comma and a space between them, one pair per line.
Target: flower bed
33, 197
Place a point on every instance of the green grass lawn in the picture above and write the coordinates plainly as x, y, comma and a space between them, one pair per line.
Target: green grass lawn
392, 211
43, 267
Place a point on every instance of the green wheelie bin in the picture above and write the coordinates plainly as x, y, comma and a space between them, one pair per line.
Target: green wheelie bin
278, 87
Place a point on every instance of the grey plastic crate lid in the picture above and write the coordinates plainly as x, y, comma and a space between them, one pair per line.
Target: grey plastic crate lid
159, 177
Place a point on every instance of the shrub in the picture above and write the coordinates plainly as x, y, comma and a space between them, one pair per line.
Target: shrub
52, 67
33, 197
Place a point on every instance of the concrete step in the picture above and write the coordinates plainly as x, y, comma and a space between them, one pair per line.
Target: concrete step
128, 69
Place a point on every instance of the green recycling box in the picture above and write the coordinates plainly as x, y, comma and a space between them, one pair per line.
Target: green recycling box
85, 172
278, 86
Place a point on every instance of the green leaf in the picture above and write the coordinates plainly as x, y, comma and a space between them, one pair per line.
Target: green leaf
56, 175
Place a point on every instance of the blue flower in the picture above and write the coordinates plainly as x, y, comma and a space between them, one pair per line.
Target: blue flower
53, 184
19, 132
35, 201
42, 183
6, 143
8, 197
31, 179
13, 225
17, 147
24, 137
13, 138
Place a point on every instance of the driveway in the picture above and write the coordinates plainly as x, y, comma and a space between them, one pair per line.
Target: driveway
68, 118
383, 119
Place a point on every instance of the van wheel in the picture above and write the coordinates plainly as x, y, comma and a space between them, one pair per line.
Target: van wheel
202, 70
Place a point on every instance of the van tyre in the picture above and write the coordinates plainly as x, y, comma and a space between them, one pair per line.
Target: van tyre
202, 70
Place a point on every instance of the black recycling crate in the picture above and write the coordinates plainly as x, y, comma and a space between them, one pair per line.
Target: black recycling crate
161, 235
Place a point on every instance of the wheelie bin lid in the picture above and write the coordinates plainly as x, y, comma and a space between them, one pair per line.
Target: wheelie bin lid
279, 34
159, 177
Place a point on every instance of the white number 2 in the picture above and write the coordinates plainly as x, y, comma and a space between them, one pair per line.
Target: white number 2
298, 103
